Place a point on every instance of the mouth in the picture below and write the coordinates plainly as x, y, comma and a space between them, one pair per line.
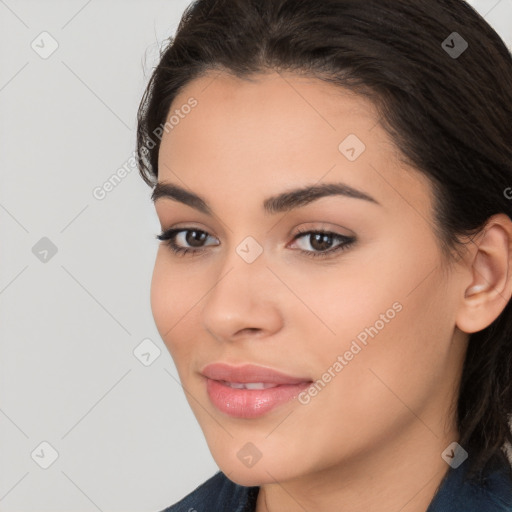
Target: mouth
249, 374
250, 391
249, 385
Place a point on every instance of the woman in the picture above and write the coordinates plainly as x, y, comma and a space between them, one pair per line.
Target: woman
333, 182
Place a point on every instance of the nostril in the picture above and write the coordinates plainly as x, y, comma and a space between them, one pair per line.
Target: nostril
249, 329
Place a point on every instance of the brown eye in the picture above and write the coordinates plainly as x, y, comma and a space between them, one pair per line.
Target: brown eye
176, 238
195, 238
321, 242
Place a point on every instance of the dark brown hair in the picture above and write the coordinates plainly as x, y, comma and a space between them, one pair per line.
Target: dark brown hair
450, 115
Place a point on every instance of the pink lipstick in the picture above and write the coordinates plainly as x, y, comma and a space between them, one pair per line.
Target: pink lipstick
250, 391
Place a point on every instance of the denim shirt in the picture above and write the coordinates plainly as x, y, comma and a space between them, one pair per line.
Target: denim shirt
490, 491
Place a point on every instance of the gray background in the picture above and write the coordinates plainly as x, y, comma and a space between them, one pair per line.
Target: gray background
71, 321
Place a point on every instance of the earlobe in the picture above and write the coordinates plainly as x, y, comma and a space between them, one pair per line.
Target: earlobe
490, 265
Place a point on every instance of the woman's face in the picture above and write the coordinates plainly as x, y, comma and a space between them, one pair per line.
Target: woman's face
370, 323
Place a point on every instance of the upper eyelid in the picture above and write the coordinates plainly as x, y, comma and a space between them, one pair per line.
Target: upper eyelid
319, 225
178, 230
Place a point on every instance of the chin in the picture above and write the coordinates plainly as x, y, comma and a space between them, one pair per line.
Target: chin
262, 472
252, 477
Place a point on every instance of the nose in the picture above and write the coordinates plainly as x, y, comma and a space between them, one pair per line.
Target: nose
243, 301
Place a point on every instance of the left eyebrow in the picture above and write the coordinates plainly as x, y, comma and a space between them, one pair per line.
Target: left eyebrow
280, 203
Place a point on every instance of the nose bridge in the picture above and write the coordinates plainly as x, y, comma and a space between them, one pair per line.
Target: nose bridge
245, 261
241, 297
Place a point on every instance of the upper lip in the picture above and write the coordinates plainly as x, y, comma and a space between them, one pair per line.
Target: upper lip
249, 373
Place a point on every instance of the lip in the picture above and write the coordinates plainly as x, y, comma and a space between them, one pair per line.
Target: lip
249, 373
250, 403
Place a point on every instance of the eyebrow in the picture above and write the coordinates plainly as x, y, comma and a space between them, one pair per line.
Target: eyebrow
280, 203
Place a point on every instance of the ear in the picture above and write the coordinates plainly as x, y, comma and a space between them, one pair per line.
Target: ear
488, 288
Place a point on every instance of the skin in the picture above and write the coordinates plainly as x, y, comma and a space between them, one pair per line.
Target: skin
371, 440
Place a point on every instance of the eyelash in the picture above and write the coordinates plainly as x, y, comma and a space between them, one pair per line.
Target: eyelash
168, 238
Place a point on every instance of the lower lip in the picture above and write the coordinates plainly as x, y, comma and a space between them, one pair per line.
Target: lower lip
250, 403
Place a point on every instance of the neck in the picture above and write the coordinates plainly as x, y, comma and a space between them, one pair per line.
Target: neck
402, 474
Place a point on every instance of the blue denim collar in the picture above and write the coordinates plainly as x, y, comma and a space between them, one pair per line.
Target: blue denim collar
489, 491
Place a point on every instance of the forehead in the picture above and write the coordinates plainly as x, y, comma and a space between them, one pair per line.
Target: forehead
278, 98
280, 128
268, 119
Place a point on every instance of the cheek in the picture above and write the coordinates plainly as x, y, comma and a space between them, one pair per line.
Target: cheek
389, 313
360, 291
405, 350
401, 368
172, 296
